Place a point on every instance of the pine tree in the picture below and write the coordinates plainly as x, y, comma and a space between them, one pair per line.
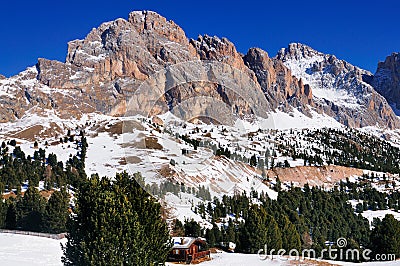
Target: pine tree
385, 238
290, 236
260, 229
11, 215
192, 228
210, 236
30, 210
274, 236
56, 213
230, 232
115, 223
178, 229
253, 160
3, 212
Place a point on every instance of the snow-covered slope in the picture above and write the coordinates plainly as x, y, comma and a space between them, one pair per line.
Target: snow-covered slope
339, 88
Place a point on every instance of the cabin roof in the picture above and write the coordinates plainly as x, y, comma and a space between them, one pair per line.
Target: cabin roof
187, 242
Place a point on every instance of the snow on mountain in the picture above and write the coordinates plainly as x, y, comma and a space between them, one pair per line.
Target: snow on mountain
324, 83
296, 119
338, 87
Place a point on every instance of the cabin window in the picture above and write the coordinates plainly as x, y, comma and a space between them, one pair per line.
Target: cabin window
176, 251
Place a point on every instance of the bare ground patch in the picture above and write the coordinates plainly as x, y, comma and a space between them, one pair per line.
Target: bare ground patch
314, 175
131, 160
152, 143
38, 132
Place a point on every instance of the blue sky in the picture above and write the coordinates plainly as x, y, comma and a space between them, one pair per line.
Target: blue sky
360, 32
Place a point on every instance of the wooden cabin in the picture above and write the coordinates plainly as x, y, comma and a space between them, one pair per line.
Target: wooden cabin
188, 249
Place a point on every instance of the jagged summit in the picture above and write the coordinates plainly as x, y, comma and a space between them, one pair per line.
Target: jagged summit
339, 88
297, 51
103, 71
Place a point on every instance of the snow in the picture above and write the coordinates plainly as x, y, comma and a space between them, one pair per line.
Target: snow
380, 214
103, 155
236, 259
298, 120
325, 85
24, 250
182, 208
187, 241
27, 250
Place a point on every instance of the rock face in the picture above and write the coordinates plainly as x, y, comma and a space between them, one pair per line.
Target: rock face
339, 88
277, 82
117, 60
387, 80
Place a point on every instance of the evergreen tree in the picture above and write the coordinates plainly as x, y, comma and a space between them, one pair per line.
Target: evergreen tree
115, 223
30, 210
192, 228
253, 160
230, 232
3, 212
211, 241
56, 213
385, 238
260, 229
290, 236
274, 236
11, 215
178, 230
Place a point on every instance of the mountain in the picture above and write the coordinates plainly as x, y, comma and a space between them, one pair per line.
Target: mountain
199, 120
339, 88
118, 59
387, 80
146, 67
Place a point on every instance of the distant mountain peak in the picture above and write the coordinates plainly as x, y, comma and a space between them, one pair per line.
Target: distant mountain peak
297, 51
339, 88
387, 80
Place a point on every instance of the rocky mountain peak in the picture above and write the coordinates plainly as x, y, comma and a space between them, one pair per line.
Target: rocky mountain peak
278, 82
338, 87
103, 71
297, 51
149, 21
215, 48
387, 80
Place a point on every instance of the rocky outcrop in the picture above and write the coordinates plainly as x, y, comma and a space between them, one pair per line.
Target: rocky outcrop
339, 88
387, 80
221, 50
2, 77
277, 81
149, 59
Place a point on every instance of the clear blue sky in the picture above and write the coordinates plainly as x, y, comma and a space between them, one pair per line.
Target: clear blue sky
361, 32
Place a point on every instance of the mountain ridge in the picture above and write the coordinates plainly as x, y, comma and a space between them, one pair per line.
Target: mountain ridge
102, 71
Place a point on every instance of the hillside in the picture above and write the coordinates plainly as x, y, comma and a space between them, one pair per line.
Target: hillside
221, 139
